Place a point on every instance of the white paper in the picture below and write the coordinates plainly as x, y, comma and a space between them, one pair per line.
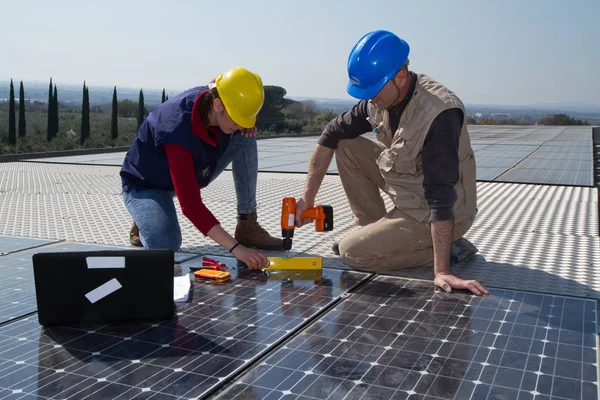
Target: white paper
103, 290
105, 262
181, 288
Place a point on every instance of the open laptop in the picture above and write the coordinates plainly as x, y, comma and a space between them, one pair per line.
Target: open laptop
83, 287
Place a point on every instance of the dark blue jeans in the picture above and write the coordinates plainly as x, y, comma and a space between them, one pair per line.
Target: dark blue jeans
154, 211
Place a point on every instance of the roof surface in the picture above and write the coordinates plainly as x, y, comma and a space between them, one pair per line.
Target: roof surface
537, 234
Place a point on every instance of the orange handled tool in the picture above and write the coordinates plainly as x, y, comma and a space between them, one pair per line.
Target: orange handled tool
321, 214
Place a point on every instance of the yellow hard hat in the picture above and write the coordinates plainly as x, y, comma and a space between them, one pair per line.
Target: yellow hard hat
242, 94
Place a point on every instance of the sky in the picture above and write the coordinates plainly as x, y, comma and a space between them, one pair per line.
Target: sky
512, 52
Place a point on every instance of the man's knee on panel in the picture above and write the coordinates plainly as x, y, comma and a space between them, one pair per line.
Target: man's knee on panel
359, 256
356, 255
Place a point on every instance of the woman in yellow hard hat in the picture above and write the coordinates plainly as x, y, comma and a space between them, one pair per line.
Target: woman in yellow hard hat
182, 146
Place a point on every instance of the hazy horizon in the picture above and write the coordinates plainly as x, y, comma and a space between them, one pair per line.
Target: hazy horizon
42, 86
510, 52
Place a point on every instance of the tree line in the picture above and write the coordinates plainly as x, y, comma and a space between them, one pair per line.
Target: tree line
553, 119
279, 115
53, 113
67, 127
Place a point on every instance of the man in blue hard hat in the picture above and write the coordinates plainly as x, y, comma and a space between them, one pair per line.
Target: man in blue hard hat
422, 159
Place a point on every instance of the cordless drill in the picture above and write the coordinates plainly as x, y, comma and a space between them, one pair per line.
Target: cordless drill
321, 214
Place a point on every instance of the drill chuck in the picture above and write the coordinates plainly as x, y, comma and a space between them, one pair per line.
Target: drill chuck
287, 235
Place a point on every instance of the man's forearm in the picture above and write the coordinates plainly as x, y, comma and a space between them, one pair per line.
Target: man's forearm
442, 233
317, 168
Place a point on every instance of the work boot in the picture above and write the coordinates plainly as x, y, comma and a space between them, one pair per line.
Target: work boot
250, 234
134, 236
461, 249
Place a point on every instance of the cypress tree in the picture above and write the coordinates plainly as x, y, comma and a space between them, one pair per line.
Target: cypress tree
85, 115
12, 128
87, 110
49, 134
22, 123
55, 110
114, 126
140, 116
163, 96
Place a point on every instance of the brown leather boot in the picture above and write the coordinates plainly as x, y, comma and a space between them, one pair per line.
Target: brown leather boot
134, 236
250, 234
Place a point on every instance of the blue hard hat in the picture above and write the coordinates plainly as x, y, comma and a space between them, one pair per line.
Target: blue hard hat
374, 60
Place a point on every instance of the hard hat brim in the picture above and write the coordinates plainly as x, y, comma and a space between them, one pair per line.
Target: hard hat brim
246, 123
365, 93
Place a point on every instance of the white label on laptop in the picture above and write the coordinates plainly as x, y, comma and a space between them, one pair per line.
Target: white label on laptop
105, 262
103, 290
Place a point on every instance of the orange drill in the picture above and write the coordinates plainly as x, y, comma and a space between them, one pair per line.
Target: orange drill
321, 214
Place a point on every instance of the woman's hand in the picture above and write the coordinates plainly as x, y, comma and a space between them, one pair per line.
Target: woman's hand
248, 132
253, 259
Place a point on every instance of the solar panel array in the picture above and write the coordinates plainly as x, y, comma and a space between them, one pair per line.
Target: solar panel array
223, 328
399, 339
521, 154
503, 154
342, 334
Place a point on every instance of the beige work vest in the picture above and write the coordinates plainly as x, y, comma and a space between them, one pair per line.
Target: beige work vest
401, 164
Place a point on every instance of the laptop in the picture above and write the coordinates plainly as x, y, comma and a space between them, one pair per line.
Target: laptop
75, 288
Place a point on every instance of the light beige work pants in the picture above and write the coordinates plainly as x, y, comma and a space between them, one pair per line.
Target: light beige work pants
387, 240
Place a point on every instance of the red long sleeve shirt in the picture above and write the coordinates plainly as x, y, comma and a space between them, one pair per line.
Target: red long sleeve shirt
183, 174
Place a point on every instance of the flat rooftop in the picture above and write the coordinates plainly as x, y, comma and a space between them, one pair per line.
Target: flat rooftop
341, 334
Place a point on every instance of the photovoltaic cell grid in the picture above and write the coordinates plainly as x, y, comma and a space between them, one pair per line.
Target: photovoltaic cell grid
10, 244
399, 339
523, 232
530, 237
499, 153
520, 154
17, 287
221, 330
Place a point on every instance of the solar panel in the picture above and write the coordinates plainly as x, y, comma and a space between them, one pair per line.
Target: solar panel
10, 244
566, 148
498, 162
488, 173
491, 152
289, 158
556, 164
277, 163
525, 141
544, 176
224, 327
17, 288
296, 167
476, 147
558, 155
399, 339
512, 147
